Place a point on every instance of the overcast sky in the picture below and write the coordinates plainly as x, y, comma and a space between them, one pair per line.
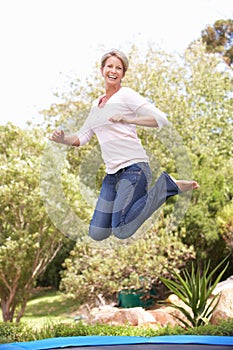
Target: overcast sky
44, 41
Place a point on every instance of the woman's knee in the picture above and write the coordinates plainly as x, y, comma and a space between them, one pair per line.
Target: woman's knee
99, 233
123, 232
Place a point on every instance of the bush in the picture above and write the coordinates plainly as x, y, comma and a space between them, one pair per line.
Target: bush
92, 271
20, 333
13, 332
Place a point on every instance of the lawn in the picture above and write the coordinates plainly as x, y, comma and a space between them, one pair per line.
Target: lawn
48, 306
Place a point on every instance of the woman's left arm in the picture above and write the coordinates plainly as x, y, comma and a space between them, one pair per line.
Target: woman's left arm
140, 120
151, 117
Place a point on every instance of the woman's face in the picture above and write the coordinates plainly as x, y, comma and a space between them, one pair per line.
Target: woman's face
113, 71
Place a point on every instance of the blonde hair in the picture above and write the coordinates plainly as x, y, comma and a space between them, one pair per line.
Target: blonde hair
119, 54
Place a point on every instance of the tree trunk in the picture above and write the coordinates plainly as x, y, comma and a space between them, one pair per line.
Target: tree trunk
7, 311
21, 311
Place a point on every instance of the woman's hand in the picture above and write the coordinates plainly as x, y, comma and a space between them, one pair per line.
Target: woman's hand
120, 118
58, 136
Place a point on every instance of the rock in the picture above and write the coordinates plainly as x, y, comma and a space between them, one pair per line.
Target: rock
102, 315
227, 284
163, 317
136, 316
175, 312
160, 316
173, 299
224, 309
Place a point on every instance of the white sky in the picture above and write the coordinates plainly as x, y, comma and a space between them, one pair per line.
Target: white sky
44, 41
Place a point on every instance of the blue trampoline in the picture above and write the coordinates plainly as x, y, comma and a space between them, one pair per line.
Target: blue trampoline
184, 342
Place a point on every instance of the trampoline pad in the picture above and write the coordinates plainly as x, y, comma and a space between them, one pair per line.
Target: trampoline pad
177, 342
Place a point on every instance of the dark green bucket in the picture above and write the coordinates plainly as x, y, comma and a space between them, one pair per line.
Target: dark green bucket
134, 298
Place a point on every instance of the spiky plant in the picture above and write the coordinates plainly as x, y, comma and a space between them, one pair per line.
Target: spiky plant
195, 289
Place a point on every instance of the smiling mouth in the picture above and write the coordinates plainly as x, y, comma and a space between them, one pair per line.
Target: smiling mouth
112, 77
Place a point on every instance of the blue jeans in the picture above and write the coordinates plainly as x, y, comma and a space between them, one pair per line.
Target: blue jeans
125, 201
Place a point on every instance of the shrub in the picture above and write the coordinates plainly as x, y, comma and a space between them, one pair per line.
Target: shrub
92, 271
13, 332
20, 332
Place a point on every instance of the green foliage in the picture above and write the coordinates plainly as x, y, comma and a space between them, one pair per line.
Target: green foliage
28, 239
225, 222
22, 333
13, 332
91, 271
51, 276
218, 39
224, 328
199, 226
195, 289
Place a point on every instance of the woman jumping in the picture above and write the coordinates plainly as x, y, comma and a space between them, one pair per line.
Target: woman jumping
125, 200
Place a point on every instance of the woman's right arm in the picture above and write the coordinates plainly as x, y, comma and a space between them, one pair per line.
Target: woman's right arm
60, 137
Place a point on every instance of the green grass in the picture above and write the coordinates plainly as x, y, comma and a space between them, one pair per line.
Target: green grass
49, 306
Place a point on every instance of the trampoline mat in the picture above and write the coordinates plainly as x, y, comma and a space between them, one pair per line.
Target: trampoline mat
152, 347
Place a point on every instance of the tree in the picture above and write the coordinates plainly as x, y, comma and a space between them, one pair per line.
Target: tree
209, 129
225, 223
28, 239
219, 39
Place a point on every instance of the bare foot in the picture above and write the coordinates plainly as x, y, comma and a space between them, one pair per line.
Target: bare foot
185, 185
